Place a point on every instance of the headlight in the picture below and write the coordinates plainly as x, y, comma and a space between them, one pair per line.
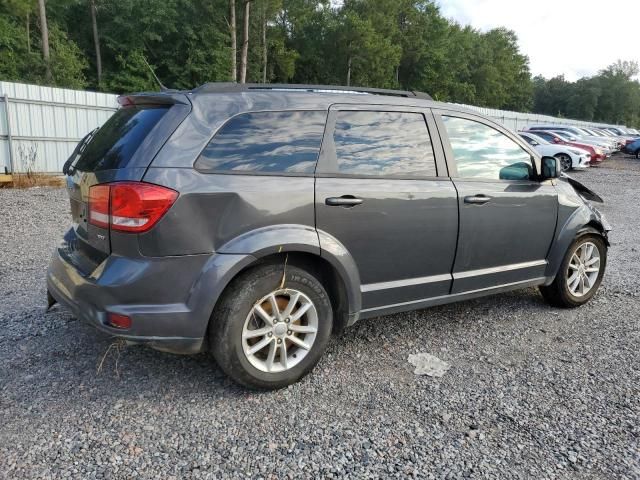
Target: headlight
598, 151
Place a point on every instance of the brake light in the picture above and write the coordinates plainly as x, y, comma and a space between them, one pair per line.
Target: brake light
129, 206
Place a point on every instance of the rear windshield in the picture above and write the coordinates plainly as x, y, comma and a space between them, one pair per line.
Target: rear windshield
117, 140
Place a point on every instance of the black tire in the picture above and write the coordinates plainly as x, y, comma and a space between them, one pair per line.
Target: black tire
638, 153
229, 316
558, 294
565, 161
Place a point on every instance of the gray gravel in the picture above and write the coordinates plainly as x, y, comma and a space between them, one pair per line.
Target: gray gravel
533, 392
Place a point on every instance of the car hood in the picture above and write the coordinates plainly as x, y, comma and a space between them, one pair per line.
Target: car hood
581, 189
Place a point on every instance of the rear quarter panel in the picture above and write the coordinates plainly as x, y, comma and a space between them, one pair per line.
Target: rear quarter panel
214, 210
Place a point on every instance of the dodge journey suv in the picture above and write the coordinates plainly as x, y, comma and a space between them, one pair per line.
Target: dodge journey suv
253, 221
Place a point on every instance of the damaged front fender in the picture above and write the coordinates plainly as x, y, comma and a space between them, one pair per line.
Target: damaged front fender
582, 190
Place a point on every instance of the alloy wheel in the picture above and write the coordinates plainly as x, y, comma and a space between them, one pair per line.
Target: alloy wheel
583, 269
280, 330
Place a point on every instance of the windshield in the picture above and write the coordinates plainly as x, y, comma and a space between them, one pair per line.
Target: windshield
565, 135
538, 139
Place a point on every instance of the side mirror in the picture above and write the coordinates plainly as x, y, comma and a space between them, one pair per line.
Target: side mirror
517, 171
551, 168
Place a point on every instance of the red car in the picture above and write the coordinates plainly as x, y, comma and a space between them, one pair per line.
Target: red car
597, 155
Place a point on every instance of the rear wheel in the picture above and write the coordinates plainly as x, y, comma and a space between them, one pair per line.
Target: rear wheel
580, 274
565, 161
268, 332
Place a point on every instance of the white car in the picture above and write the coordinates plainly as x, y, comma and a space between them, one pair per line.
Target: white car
570, 157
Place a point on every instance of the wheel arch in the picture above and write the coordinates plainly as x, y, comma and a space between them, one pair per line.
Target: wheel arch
329, 276
297, 245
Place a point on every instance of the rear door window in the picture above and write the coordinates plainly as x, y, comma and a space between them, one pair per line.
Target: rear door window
383, 144
266, 142
117, 140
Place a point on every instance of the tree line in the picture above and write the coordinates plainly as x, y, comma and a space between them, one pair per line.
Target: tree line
106, 45
611, 96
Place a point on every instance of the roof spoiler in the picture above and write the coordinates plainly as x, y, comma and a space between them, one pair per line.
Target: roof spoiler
153, 98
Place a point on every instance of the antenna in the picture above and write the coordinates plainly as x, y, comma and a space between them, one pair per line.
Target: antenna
162, 87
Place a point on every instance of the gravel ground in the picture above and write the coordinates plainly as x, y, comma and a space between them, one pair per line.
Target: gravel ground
532, 392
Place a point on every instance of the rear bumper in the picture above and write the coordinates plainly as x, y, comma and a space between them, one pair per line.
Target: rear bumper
168, 299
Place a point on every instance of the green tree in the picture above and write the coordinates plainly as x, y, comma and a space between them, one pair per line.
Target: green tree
611, 96
20, 43
409, 44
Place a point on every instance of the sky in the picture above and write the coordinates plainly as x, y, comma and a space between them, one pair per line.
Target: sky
576, 38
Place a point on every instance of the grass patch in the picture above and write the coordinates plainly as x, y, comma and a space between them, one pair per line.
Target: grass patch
29, 180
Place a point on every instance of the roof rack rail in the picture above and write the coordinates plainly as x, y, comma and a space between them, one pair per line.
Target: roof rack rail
230, 87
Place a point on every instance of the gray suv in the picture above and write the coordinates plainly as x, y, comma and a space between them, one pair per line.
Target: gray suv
254, 221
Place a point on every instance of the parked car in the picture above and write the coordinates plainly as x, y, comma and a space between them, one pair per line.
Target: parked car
621, 140
633, 148
576, 132
569, 157
597, 154
568, 136
622, 132
253, 221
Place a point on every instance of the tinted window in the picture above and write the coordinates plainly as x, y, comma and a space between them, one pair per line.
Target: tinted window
266, 142
117, 140
383, 143
483, 152
546, 136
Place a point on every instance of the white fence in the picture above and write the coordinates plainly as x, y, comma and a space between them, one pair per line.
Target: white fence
40, 126
518, 121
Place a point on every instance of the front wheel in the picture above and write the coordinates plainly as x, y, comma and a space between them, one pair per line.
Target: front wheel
565, 162
580, 274
268, 331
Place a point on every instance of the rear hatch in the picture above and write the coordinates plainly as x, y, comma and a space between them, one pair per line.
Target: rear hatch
121, 150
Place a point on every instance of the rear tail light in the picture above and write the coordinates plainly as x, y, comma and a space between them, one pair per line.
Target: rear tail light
129, 206
99, 206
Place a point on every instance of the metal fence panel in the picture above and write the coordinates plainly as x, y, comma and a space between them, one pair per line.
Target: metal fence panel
50, 122
519, 121
46, 123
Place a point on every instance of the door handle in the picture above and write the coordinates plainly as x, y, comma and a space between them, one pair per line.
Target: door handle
477, 199
343, 201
